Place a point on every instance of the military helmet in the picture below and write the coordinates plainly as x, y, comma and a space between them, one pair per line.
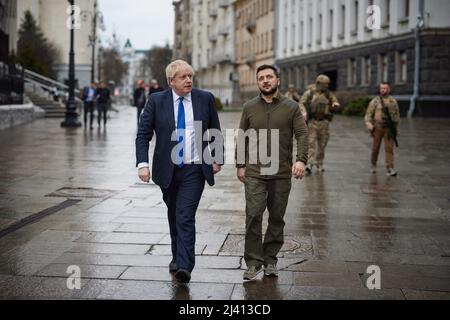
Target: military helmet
323, 79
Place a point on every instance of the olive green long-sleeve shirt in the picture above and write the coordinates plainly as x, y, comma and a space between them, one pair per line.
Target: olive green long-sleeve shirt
283, 115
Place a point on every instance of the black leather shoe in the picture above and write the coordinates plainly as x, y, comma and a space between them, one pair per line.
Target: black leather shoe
173, 267
183, 276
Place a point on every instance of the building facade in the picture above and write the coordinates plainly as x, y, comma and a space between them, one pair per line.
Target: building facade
213, 38
255, 39
51, 16
8, 28
182, 48
336, 37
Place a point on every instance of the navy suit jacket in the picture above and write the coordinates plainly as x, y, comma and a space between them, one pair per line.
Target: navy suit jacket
159, 118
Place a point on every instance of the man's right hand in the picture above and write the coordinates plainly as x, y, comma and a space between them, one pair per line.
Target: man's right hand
241, 174
144, 175
369, 126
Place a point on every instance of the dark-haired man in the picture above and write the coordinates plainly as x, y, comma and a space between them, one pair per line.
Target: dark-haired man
380, 110
270, 121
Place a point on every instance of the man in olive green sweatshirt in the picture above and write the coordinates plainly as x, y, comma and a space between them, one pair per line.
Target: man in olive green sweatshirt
269, 123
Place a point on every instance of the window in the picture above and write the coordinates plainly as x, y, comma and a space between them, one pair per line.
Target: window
319, 30
406, 4
355, 18
300, 44
351, 79
383, 68
366, 71
305, 77
387, 13
310, 32
342, 27
401, 67
330, 27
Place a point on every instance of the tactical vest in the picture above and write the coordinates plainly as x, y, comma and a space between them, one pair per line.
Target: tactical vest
319, 105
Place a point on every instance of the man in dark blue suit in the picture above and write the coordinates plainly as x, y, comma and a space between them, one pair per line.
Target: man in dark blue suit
179, 166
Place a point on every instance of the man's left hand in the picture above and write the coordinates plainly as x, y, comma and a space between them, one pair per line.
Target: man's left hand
298, 170
216, 168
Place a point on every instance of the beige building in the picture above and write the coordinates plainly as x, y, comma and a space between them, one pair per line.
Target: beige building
213, 47
255, 33
182, 48
51, 16
8, 28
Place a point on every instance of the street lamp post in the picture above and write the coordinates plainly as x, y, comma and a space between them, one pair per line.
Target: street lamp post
71, 120
94, 42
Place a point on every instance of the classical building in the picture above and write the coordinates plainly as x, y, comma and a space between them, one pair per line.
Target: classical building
136, 68
342, 39
8, 28
213, 50
182, 48
254, 25
51, 16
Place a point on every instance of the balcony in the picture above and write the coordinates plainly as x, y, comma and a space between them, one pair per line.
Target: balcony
224, 31
212, 36
250, 59
213, 12
251, 25
225, 3
221, 58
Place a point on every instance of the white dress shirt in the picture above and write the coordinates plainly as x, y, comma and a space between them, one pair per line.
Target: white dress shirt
190, 152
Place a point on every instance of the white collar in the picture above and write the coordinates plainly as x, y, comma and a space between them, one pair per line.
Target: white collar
177, 97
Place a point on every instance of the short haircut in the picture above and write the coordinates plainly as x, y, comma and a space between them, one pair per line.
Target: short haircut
267, 66
175, 67
385, 83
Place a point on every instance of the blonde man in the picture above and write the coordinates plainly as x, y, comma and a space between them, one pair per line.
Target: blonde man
178, 165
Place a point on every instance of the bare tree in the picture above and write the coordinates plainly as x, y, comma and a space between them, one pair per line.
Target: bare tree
113, 68
157, 60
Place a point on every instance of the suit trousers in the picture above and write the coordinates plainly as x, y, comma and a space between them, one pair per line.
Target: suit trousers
260, 194
182, 198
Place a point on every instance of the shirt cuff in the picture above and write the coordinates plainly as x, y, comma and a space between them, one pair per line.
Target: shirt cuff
143, 165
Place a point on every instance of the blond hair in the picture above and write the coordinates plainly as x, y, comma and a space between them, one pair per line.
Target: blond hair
175, 67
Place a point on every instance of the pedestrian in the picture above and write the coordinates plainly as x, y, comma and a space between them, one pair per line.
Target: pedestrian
293, 95
89, 94
383, 122
154, 87
269, 111
182, 180
139, 98
103, 103
320, 105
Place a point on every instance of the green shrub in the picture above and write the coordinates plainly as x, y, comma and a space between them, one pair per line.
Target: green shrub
219, 105
346, 96
357, 107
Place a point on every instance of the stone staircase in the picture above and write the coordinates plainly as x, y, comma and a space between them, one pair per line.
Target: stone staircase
52, 108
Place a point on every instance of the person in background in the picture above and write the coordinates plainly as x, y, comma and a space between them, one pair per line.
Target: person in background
139, 98
89, 94
103, 102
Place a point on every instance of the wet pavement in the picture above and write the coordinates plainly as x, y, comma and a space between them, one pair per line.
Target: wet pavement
72, 197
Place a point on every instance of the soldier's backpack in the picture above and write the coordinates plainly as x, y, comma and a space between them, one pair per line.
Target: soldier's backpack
319, 108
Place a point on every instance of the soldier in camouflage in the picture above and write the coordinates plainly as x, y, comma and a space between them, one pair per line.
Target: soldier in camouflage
376, 123
319, 104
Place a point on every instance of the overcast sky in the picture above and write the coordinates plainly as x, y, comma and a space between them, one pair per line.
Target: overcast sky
145, 22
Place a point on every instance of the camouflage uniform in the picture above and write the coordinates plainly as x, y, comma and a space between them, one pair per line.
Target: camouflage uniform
376, 117
293, 95
320, 104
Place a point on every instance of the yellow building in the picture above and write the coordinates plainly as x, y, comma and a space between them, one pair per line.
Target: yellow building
255, 33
